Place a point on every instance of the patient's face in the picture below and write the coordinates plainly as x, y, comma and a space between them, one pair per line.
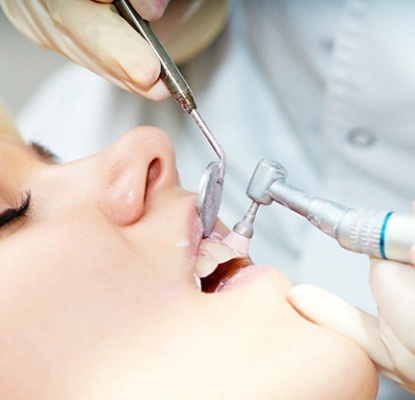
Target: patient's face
98, 296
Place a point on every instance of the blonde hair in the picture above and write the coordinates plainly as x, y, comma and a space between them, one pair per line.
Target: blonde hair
7, 125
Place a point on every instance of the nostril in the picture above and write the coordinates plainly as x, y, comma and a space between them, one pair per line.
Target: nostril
153, 173
123, 197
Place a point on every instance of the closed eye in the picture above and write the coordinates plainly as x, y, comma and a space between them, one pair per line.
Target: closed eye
12, 215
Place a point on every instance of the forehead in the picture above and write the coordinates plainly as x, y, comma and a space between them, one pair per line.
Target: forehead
14, 157
7, 126
11, 141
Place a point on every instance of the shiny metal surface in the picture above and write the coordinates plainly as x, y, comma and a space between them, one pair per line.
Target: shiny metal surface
381, 234
211, 185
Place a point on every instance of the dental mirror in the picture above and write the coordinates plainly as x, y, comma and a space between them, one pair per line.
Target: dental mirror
210, 195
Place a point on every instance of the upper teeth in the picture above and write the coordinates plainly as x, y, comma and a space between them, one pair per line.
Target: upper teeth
204, 266
212, 253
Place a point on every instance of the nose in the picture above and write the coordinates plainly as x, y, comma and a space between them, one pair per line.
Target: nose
133, 170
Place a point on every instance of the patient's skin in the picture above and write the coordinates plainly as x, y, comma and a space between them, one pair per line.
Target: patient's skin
98, 299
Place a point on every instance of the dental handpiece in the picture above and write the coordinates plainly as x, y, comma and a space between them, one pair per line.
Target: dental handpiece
211, 185
380, 234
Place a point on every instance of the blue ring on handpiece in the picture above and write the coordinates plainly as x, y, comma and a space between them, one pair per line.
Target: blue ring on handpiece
382, 235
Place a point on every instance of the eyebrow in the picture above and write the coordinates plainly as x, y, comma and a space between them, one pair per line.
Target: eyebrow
43, 153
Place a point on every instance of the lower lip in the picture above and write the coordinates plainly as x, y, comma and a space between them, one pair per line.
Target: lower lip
243, 277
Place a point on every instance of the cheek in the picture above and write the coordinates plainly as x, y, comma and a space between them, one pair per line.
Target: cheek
88, 259
68, 274
91, 258
44, 252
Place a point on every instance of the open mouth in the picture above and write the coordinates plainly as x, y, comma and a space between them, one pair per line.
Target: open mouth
224, 271
216, 263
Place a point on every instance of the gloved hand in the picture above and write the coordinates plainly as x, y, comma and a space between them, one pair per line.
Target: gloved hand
389, 340
93, 35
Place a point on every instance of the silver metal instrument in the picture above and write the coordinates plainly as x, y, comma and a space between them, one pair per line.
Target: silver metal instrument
381, 234
211, 184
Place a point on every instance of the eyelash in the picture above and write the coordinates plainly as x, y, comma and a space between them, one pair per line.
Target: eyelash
44, 151
12, 215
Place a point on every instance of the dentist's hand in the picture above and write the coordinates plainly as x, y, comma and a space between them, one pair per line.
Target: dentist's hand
90, 33
389, 340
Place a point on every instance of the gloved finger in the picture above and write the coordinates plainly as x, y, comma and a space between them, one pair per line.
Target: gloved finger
412, 250
329, 311
393, 287
95, 36
150, 10
412, 254
402, 357
108, 45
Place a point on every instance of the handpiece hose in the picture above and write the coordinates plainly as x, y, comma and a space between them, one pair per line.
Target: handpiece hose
381, 234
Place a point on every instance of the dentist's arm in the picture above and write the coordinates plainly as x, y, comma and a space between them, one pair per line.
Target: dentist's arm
389, 339
90, 33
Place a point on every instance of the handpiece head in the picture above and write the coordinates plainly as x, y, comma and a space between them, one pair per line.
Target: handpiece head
266, 173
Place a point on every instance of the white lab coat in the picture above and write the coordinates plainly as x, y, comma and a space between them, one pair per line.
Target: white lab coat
325, 88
